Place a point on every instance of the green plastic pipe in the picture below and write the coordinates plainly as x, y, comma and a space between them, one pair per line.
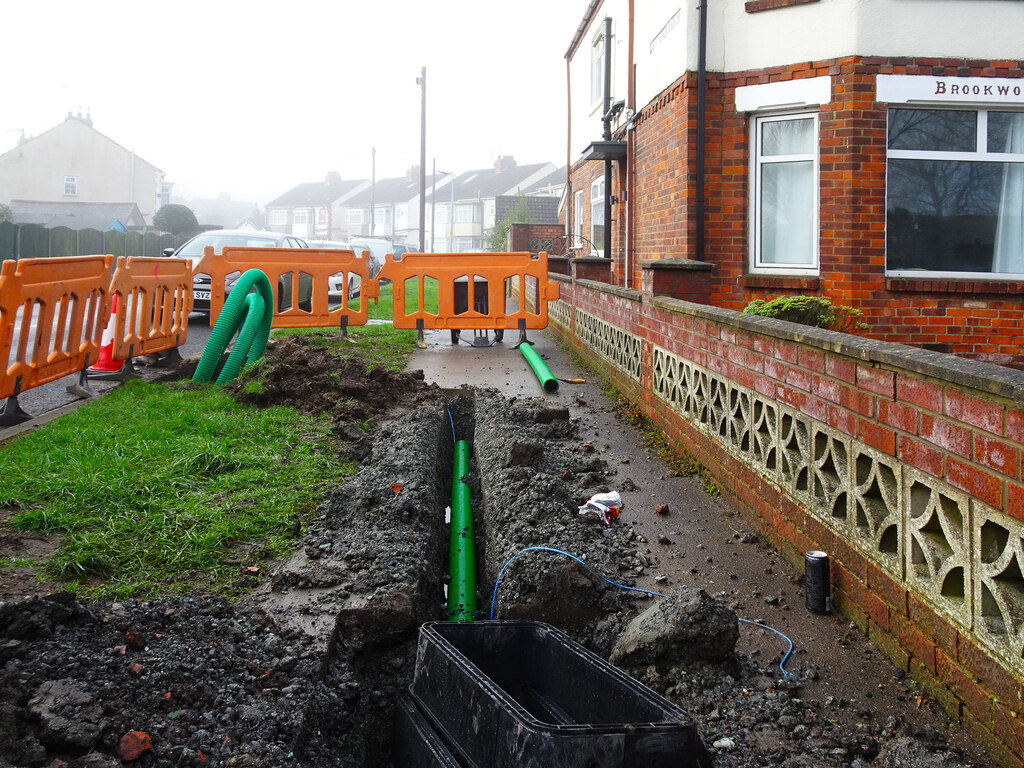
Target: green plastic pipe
461, 548
238, 311
540, 368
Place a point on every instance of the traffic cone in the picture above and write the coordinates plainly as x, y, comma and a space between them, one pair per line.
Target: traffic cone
106, 363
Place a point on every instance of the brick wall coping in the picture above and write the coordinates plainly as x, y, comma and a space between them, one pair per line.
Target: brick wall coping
984, 377
558, 259
622, 293
591, 260
678, 263
559, 278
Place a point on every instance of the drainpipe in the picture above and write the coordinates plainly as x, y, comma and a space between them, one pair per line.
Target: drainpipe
630, 150
570, 206
702, 60
607, 136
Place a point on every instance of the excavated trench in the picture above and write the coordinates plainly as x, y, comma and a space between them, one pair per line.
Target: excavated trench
374, 565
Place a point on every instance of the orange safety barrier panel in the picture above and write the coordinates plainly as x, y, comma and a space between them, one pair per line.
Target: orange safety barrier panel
152, 311
300, 279
475, 291
52, 316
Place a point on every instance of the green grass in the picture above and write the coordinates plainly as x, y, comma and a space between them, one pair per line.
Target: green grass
383, 309
162, 489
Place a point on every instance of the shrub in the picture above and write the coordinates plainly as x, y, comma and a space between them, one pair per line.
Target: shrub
809, 310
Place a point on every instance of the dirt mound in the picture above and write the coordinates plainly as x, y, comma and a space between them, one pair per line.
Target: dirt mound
298, 372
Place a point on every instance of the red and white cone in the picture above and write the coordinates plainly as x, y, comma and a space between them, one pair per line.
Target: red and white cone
106, 363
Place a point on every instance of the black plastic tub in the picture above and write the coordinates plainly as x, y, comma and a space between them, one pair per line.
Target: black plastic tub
521, 694
415, 743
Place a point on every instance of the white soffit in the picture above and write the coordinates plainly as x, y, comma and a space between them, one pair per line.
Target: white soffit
788, 94
924, 89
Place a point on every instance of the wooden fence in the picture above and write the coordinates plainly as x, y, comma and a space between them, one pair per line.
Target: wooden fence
27, 241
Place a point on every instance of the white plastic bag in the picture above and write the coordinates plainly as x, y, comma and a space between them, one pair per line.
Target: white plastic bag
603, 506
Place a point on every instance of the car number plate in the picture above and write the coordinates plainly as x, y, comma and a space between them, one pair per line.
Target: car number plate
201, 294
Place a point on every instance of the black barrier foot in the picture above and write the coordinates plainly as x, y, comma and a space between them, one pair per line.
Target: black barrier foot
481, 339
455, 336
420, 342
522, 335
81, 386
11, 413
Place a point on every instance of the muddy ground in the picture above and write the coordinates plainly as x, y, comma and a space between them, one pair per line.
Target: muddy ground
307, 669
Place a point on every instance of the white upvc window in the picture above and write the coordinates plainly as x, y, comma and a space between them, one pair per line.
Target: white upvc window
598, 51
71, 185
300, 216
784, 194
355, 216
278, 216
577, 219
465, 214
955, 192
597, 216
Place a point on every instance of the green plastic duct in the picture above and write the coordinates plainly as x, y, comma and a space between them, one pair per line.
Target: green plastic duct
540, 368
461, 548
254, 312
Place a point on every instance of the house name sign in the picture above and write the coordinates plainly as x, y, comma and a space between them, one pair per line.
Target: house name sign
909, 89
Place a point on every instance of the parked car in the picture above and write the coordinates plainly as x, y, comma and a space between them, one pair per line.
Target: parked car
377, 247
335, 287
221, 238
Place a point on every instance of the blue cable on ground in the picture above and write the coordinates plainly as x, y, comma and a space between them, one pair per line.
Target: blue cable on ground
782, 664
497, 582
453, 424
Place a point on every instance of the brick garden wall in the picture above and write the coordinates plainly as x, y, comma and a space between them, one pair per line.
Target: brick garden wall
903, 464
971, 318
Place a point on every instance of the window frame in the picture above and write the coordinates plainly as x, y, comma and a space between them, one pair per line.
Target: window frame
757, 266
71, 183
597, 204
577, 219
978, 156
278, 217
301, 216
599, 49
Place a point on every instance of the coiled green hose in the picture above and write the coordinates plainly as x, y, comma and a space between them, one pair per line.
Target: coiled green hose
254, 312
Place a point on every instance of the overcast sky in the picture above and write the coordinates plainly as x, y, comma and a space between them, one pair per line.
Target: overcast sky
252, 98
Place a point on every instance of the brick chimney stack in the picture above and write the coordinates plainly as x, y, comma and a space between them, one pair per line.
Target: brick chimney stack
504, 163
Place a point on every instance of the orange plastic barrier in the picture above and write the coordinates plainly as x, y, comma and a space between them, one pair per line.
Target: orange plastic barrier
152, 311
289, 271
471, 290
52, 316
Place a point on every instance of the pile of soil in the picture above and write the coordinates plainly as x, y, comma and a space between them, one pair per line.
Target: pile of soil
306, 671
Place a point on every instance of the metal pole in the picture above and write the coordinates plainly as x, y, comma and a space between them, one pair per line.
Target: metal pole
422, 80
373, 189
433, 203
451, 218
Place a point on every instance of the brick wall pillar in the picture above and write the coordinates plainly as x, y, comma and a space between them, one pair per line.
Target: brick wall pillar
678, 279
592, 268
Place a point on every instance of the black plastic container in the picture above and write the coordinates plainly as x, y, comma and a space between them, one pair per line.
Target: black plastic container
817, 582
415, 743
520, 694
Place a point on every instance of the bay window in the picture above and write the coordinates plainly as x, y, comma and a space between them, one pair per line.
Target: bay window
955, 191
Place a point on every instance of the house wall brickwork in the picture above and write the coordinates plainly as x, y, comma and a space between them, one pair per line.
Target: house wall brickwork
972, 318
904, 465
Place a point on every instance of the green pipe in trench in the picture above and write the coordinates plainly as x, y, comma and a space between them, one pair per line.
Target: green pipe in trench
461, 547
540, 368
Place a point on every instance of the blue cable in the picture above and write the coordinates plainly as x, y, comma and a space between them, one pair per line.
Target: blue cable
453, 424
782, 664
494, 595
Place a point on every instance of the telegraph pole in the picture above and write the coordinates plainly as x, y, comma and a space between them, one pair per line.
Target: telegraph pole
422, 82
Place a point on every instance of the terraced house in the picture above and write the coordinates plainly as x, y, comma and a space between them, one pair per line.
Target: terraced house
868, 151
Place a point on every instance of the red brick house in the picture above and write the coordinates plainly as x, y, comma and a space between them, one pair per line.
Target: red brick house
867, 151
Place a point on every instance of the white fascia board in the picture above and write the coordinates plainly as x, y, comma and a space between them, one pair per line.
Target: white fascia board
788, 94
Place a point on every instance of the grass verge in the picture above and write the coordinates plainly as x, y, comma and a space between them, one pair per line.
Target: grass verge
161, 489
382, 345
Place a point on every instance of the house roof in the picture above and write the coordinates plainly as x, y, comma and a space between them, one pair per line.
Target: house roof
487, 182
315, 193
72, 121
581, 30
388, 191
550, 185
99, 216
